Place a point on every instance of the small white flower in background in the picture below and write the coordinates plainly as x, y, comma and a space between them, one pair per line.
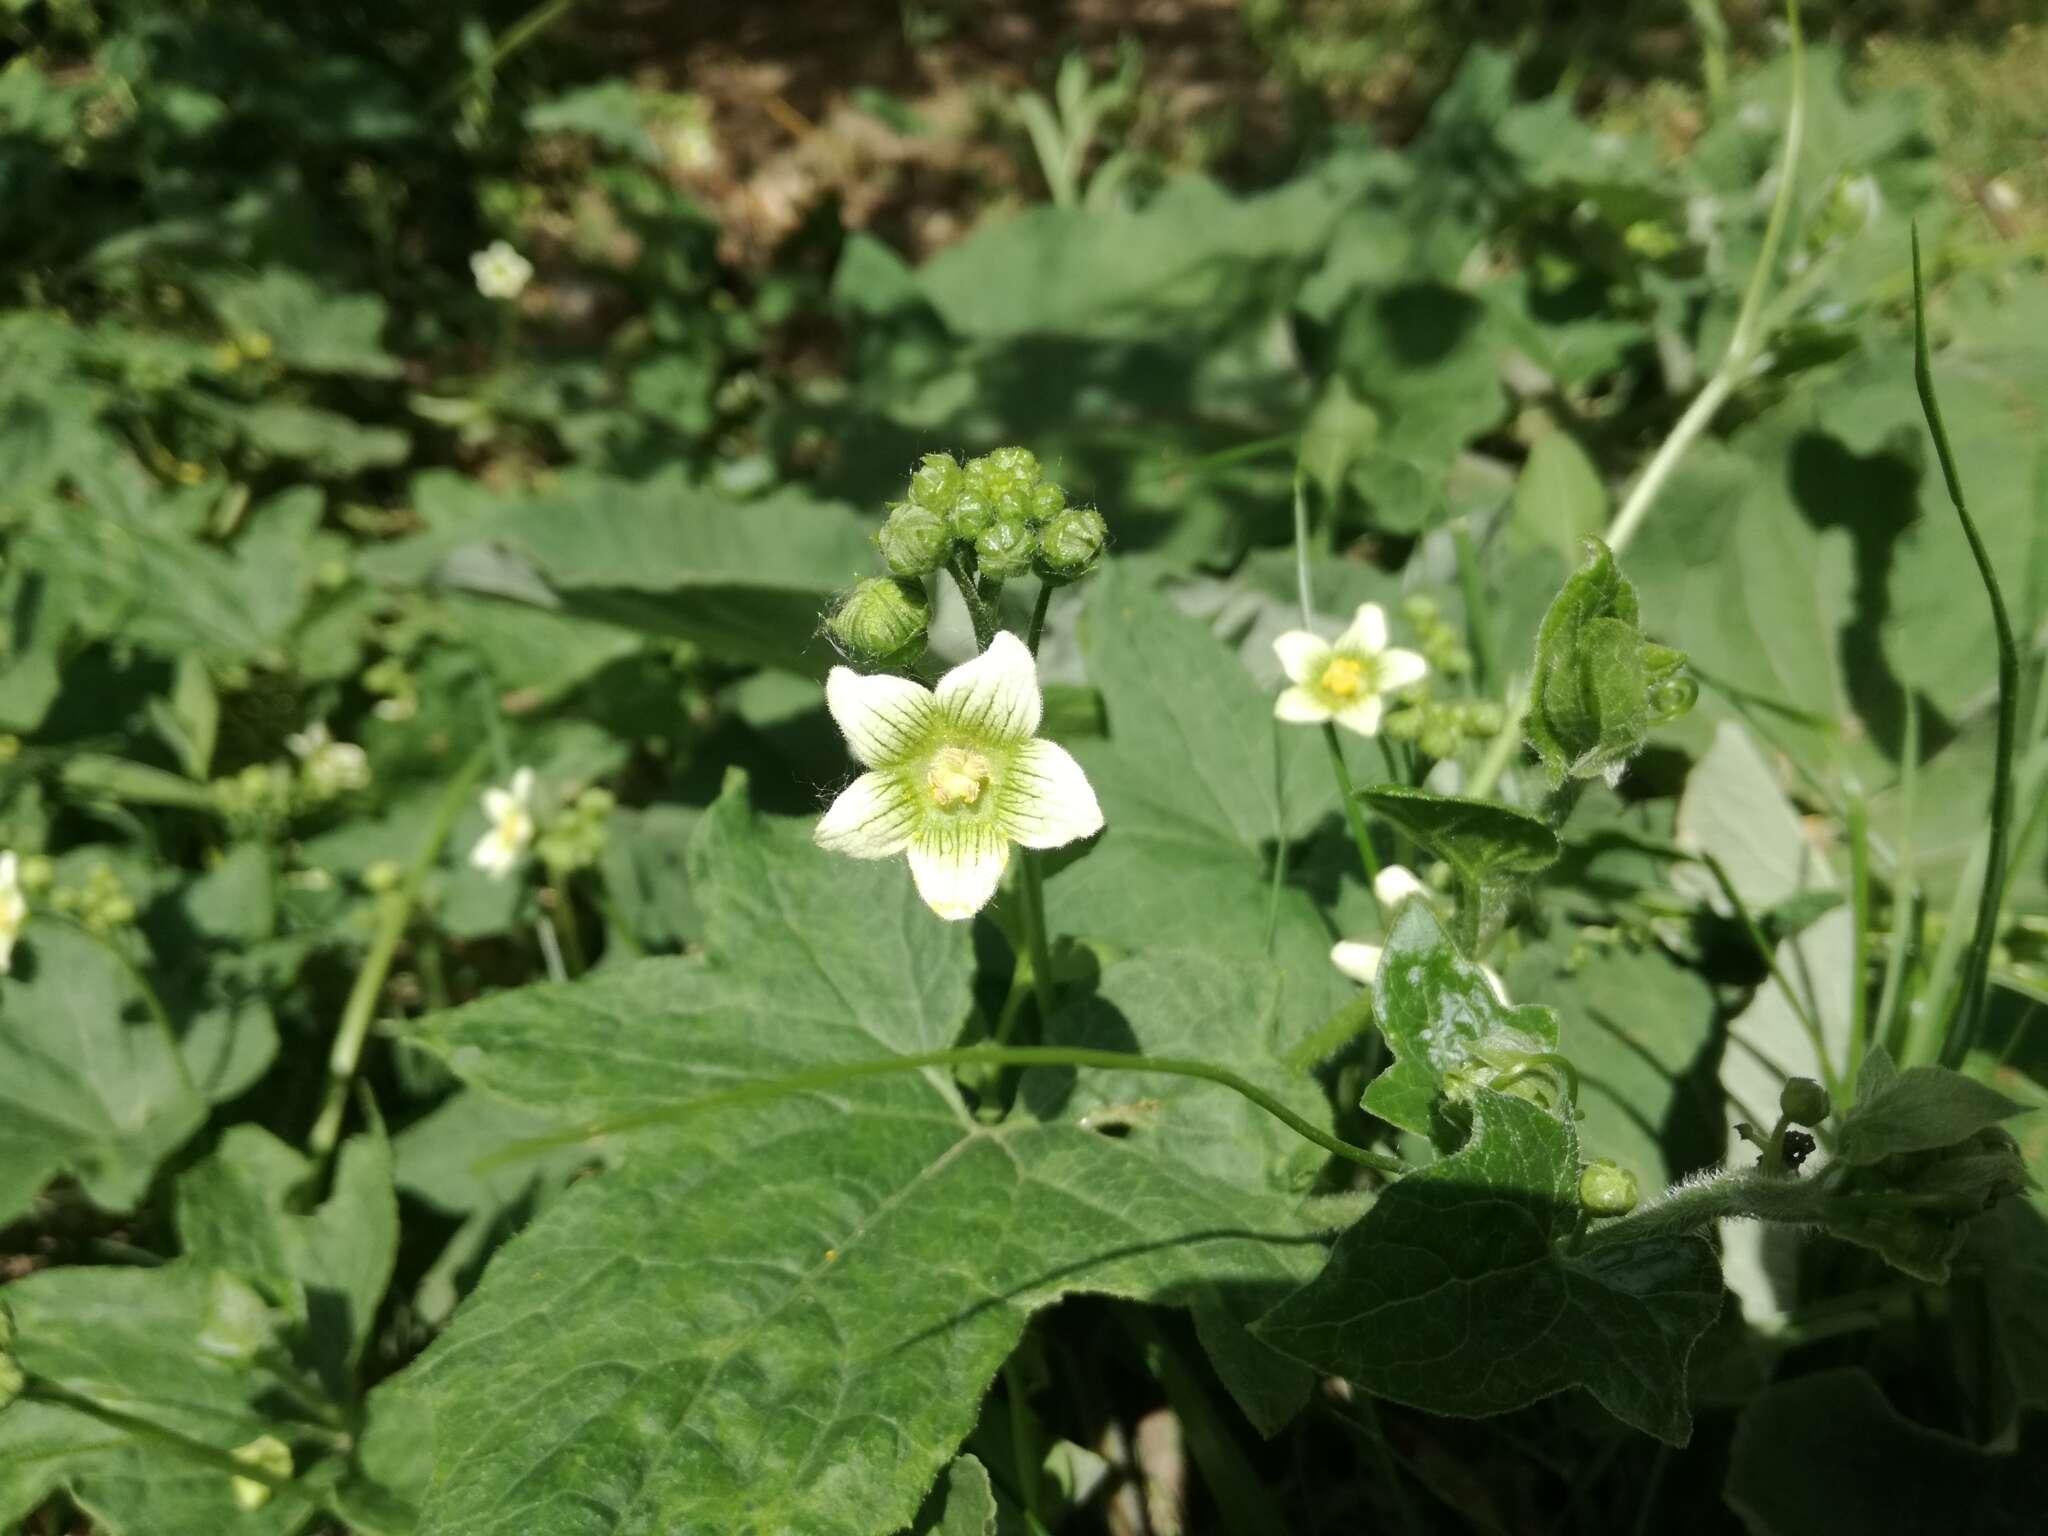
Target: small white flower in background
1361, 962
501, 272
1345, 680
13, 909
266, 1453
955, 775
332, 767
511, 828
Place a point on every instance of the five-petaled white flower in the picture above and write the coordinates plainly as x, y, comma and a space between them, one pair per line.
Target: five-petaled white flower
332, 767
500, 271
511, 827
1345, 680
955, 775
13, 909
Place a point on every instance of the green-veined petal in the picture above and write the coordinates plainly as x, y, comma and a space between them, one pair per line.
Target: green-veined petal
884, 719
994, 698
1045, 800
957, 864
872, 818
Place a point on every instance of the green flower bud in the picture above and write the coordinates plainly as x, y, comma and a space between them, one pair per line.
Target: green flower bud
1419, 609
976, 473
1005, 549
971, 513
1072, 542
1047, 501
1017, 464
1607, 1189
882, 623
1483, 717
915, 541
936, 482
1804, 1102
266, 1453
1407, 723
1440, 740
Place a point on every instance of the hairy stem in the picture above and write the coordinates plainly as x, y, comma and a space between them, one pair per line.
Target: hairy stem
1356, 817
979, 613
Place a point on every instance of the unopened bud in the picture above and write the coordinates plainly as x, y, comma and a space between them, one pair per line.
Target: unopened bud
936, 482
1019, 464
266, 1453
915, 541
1606, 1188
1047, 501
1071, 543
1804, 1102
1004, 550
970, 515
882, 622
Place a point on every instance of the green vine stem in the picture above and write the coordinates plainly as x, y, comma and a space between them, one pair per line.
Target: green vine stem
1969, 1012
1745, 339
369, 983
38, 1389
979, 613
1754, 1196
1038, 611
768, 1089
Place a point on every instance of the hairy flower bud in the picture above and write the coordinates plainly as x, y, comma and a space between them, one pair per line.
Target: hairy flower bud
1804, 1102
1072, 542
1048, 500
882, 623
1017, 463
971, 513
1004, 550
915, 541
936, 482
1606, 1188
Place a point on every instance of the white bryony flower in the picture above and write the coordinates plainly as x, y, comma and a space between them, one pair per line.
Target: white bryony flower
1345, 680
332, 767
1395, 884
13, 909
500, 271
511, 828
955, 775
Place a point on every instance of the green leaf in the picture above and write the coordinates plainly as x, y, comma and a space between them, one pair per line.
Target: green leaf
125, 1338
608, 112
1455, 1294
962, 1503
1439, 1016
326, 1270
1560, 499
307, 326
1916, 1110
1589, 707
91, 1083
757, 1347
1484, 842
1188, 789
1826, 1455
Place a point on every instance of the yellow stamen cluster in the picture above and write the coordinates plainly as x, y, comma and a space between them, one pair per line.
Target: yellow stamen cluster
1343, 678
957, 776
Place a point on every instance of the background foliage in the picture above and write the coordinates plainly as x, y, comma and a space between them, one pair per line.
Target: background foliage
268, 459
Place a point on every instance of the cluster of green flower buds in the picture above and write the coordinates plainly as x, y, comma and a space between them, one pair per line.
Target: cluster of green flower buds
999, 511
995, 518
1440, 726
102, 904
574, 838
1437, 638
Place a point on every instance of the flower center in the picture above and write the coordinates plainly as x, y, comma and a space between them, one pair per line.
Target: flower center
1344, 678
513, 826
957, 776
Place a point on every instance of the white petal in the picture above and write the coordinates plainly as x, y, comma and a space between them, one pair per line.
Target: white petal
1362, 717
522, 785
493, 855
883, 718
496, 803
1298, 706
872, 818
995, 696
1395, 884
1398, 669
1045, 800
1302, 655
957, 865
10, 871
1366, 635
1361, 962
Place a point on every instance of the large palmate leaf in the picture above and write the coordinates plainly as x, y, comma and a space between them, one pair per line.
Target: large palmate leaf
1457, 1293
780, 1317
1193, 803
